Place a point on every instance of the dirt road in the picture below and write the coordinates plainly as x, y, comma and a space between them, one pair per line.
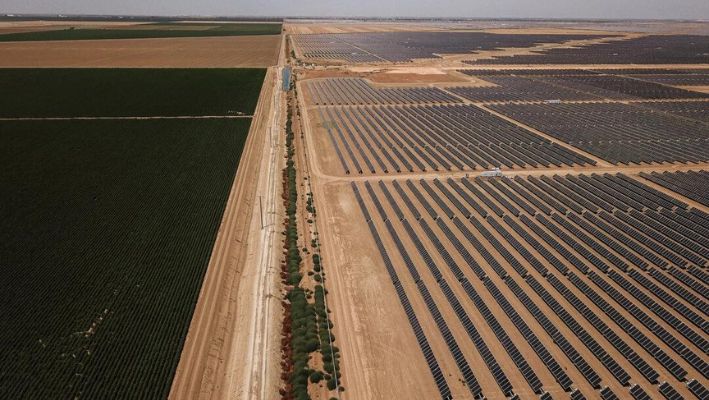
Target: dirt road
232, 349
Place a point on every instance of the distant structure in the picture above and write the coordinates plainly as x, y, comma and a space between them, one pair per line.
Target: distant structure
494, 173
286, 78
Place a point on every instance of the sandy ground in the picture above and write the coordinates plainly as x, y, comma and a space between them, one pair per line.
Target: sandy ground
398, 75
236, 51
429, 75
702, 89
232, 349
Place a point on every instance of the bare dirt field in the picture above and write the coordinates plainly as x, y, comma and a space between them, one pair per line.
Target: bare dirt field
423, 76
223, 52
396, 75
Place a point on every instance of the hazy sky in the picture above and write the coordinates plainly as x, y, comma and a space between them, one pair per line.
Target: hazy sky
689, 9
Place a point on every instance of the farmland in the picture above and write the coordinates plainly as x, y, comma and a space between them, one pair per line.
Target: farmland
575, 269
110, 221
42, 93
145, 31
112, 44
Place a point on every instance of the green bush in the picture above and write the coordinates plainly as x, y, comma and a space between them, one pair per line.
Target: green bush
316, 376
331, 384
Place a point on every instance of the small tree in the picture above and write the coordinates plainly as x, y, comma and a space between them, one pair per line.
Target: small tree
316, 376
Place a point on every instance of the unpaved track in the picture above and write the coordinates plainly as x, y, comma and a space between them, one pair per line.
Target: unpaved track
232, 349
251, 370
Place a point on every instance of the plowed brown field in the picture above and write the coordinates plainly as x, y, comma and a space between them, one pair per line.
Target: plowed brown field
205, 52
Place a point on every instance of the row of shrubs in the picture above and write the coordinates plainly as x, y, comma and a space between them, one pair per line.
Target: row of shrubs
301, 336
306, 325
300, 321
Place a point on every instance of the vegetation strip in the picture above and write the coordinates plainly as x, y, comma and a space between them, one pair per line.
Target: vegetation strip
307, 333
147, 31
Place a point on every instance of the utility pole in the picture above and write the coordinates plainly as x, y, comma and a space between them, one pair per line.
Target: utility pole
260, 208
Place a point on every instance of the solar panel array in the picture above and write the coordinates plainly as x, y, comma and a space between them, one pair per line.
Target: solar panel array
691, 184
653, 49
626, 279
339, 91
519, 88
527, 72
678, 79
696, 110
570, 87
623, 88
389, 139
650, 71
406, 46
662, 75
617, 132
544, 285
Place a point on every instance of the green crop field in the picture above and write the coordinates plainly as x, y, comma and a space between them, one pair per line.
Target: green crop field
128, 92
107, 229
147, 31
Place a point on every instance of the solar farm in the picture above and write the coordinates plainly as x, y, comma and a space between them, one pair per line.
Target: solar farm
331, 209
537, 228
406, 46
